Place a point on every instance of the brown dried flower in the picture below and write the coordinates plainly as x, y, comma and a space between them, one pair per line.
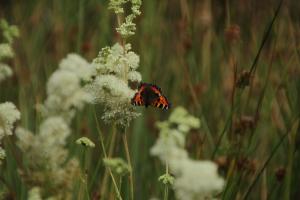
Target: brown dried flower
232, 33
243, 79
280, 173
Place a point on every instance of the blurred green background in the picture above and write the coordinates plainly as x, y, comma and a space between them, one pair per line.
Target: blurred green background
195, 51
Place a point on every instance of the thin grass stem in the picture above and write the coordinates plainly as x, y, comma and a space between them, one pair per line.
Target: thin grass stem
166, 191
107, 170
274, 150
129, 163
80, 25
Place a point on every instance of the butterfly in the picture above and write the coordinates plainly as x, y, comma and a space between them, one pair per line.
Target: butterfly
150, 94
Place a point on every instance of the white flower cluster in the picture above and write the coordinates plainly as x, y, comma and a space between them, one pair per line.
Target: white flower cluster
127, 28
193, 179
115, 67
5, 72
9, 32
2, 155
8, 111
6, 51
48, 159
46, 155
34, 194
8, 116
65, 90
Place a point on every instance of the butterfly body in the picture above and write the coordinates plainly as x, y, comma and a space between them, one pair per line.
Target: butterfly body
150, 95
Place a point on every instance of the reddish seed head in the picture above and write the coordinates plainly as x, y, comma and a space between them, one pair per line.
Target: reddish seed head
222, 162
242, 124
232, 33
280, 173
243, 79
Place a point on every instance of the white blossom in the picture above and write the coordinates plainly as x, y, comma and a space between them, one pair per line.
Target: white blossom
26, 139
55, 131
6, 51
8, 115
64, 88
62, 83
5, 72
134, 76
34, 194
9, 32
46, 147
133, 60
194, 179
86, 142
115, 66
2, 155
76, 64
169, 147
47, 157
110, 89
127, 28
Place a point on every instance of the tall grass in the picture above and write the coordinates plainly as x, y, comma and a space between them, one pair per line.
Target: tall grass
197, 52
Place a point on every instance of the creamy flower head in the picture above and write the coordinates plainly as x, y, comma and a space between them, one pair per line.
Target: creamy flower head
34, 194
115, 66
117, 165
127, 28
54, 130
170, 146
46, 147
197, 180
116, 60
64, 88
76, 64
63, 83
86, 142
134, 76
9, 32
6, 51
5, 72
47, 157
2, 155
26, 139
8, 116
184, 120
193, 179
110, 89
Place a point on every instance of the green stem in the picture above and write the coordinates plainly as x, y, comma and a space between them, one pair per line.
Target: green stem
80, 25
274, 150
288, 179
84, 172
129, 163
107, 170
166, 192
83, 188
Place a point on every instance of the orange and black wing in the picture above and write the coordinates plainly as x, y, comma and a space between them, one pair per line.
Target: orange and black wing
161, 101
137, 99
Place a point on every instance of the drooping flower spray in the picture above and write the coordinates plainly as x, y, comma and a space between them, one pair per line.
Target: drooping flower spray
48, 159
9, 114
115, 67
193, 179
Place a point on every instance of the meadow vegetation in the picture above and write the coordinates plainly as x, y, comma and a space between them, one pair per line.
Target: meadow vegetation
68, 72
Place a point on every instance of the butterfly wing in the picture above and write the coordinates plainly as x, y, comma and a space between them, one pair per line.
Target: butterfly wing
149, 94
161, 101
137, 99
